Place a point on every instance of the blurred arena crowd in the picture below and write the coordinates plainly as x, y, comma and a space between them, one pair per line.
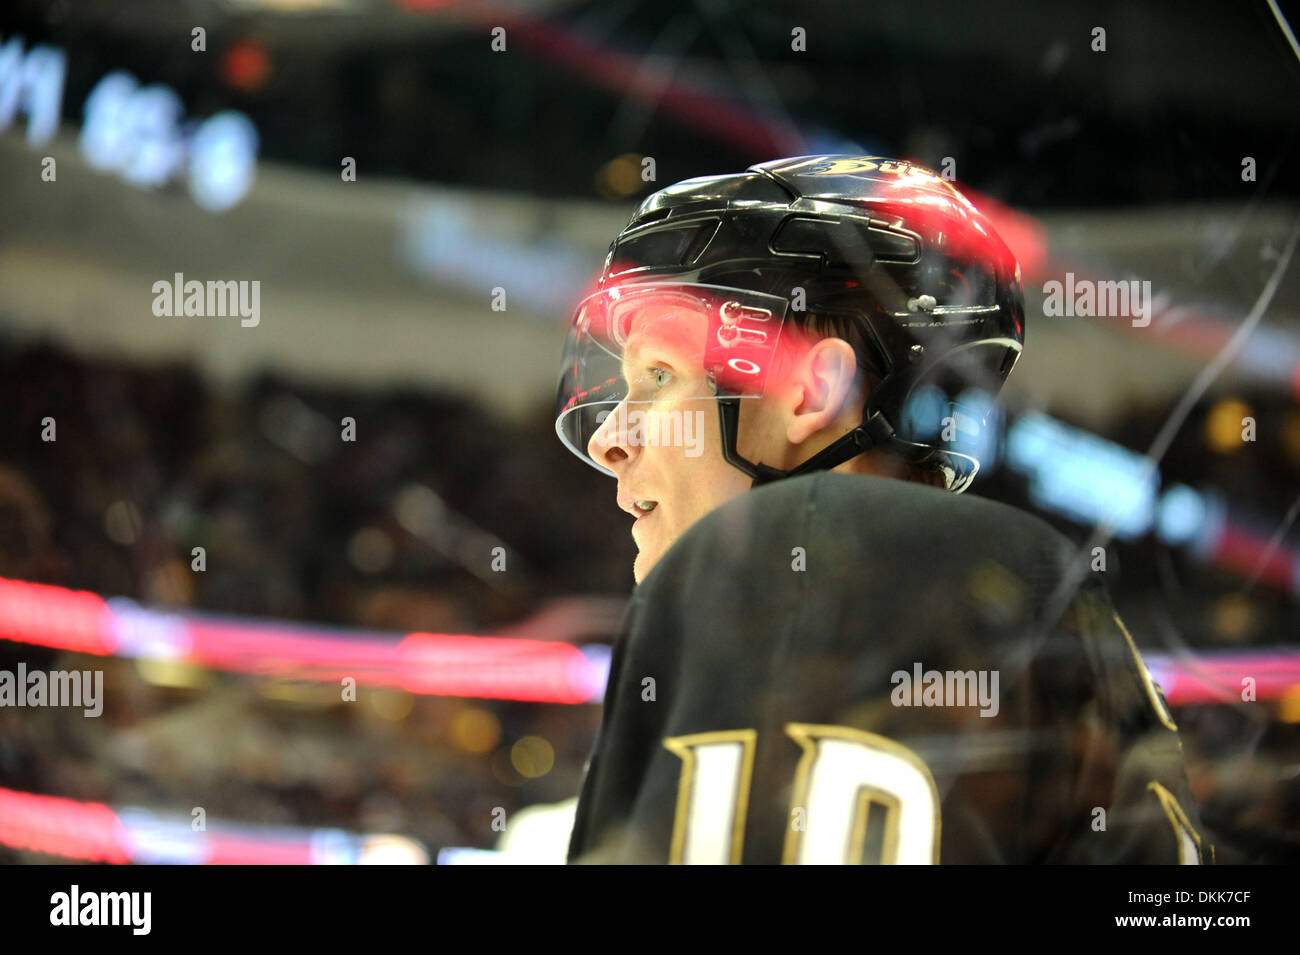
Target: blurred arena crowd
298, 525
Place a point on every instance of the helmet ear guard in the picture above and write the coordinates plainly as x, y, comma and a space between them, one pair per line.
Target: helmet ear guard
960, 366
958, 469
871, 433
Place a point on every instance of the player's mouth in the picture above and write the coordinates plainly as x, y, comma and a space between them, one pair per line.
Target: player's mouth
642, 509
638, 507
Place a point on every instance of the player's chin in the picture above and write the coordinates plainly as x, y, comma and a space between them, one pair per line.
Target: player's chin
640, 567
645, 562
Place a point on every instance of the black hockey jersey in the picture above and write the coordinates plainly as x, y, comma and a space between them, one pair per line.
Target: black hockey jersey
845, 669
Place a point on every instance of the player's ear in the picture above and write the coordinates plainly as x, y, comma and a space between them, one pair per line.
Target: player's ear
823, 383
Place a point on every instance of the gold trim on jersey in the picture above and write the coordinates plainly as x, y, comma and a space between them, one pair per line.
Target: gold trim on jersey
1154, 693
1178, 819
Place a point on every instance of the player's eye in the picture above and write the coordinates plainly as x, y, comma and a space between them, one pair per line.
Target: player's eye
651, 379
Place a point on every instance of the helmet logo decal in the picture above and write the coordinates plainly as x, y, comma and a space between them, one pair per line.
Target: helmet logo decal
861, 164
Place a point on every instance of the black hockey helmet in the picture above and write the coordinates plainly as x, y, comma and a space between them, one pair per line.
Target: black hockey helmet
882, 247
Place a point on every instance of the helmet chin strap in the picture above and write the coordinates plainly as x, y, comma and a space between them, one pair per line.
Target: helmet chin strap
875, 431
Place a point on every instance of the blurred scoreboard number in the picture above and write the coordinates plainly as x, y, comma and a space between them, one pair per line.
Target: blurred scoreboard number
139, 133
31, 84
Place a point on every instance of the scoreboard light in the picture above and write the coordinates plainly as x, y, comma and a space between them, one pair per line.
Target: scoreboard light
138, 132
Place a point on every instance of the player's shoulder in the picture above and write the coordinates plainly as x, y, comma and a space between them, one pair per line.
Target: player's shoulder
857, 522
912, 501
885, 511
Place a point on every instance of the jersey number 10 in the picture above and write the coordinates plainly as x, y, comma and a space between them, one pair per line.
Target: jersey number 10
857, 797
846, 779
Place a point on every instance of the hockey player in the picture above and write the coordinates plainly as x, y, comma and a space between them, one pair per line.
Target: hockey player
831, 655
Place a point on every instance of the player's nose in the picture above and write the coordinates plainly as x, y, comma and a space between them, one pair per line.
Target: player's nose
609, 446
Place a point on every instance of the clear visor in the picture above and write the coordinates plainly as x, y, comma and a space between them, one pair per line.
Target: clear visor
646, 364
